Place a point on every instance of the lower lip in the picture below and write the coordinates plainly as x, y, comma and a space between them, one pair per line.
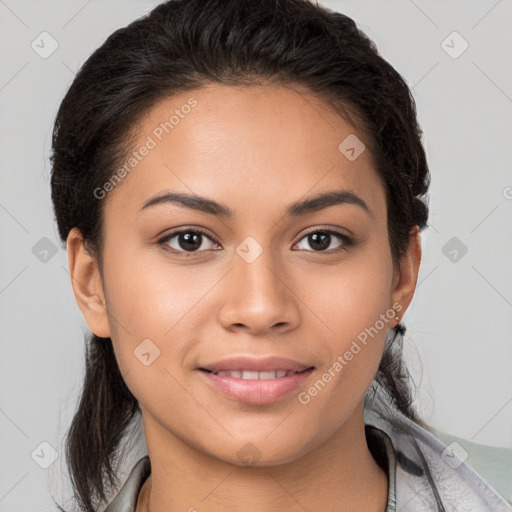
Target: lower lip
257, 391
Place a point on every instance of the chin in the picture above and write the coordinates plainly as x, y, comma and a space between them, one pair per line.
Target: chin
261, 452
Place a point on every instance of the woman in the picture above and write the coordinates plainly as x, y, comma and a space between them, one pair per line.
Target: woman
241, 187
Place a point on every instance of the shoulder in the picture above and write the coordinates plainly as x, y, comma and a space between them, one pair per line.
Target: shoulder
431, 470
493, 464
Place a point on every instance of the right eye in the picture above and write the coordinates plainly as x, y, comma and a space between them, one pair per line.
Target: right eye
187, 241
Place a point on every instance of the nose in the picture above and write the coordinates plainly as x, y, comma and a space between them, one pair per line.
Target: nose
259, 296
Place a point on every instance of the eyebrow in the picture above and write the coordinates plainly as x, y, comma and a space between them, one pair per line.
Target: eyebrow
309, 205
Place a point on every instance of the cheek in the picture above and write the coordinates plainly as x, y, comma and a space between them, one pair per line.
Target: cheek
352, 303
151, 325
149, 300
351, 297
160, 303
355, 305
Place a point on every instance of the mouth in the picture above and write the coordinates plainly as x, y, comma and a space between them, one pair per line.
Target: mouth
256, 381
250, 366
253, 375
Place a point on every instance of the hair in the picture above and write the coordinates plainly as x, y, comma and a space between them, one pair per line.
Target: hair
183, 45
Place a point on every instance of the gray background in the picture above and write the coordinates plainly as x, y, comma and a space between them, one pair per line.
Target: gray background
458, 343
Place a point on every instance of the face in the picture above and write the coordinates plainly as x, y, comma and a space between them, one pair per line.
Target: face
190, 284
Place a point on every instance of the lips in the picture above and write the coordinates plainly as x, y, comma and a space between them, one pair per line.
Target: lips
270, 367
250, 375
256, 381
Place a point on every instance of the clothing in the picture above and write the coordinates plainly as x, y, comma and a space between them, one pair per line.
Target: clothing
424, 474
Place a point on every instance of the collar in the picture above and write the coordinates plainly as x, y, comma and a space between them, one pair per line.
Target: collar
423, 473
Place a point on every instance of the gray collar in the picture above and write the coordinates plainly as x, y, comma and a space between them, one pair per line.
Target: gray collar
423, 474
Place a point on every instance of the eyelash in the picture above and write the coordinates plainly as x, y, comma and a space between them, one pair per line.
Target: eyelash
346, 240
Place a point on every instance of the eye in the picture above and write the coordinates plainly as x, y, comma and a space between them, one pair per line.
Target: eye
187, 241
321, 239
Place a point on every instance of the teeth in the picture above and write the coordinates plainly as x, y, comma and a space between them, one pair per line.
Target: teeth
267, 375
236, 374
251, 375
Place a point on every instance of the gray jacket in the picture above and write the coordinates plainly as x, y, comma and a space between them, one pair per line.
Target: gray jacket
424, 473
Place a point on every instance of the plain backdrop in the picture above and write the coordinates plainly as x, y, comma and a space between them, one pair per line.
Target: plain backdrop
458, 342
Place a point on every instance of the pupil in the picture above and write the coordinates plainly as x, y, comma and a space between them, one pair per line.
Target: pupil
315, 238
189, 240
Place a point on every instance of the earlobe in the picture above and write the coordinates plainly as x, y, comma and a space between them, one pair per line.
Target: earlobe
87, 285
405, 282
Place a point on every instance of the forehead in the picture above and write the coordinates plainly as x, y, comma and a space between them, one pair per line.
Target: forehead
264, 143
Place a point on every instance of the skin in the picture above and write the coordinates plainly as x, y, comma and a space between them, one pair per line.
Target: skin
294, 300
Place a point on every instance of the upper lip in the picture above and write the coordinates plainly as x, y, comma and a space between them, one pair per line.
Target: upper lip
264, 364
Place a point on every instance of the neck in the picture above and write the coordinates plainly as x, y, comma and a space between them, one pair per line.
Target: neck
340, 475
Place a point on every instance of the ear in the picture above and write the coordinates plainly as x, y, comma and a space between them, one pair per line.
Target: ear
406, 276
87, 284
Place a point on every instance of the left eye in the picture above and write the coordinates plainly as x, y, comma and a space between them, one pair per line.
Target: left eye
321, 240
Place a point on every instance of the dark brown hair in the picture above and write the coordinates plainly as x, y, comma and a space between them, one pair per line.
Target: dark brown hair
182, 45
